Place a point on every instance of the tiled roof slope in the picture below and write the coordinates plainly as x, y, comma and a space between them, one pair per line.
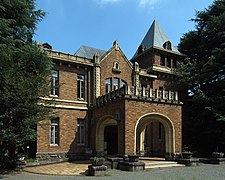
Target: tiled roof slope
156, 37
89, 52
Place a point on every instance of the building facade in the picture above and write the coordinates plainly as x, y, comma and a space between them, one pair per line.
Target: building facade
103, 102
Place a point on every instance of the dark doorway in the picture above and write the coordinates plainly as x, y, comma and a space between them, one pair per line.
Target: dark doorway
111, 139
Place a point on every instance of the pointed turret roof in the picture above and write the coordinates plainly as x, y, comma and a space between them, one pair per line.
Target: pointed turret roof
156, 37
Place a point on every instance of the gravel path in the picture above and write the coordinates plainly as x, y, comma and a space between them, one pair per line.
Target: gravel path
201, 172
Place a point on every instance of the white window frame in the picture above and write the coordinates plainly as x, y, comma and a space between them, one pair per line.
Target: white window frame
54, 132
54, 83
80, 86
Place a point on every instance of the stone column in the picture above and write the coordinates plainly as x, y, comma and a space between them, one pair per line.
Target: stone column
142, 140
97, 76
136, 80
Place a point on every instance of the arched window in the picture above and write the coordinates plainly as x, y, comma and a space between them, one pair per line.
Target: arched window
167, 45
112, 84
123, 83
115, 83
108, 85
116, 65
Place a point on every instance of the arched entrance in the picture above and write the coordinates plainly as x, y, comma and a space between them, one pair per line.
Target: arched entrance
107, 135
155, 135
111, 139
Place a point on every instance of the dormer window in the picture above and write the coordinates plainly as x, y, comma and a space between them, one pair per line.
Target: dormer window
167, 45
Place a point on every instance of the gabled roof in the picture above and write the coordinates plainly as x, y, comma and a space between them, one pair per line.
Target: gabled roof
89, 52
156, 37
117, 47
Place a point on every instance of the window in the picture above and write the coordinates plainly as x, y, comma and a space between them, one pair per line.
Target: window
162, 60
54, 131
54, 83
108, 85
116, 68
80, 131
80, 86
123, 83
174, 63
167, 45
116, 65
115, 83
168, 62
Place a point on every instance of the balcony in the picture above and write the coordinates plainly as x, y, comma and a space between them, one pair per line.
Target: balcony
144, 94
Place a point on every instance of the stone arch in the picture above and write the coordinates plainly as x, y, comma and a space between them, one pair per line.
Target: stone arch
100, 127
166, 122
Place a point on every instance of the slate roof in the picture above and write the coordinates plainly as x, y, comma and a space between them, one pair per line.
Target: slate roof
156, 37
89, 52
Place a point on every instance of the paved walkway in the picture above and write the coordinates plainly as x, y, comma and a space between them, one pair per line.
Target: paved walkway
72, 168
201, 172
64, 168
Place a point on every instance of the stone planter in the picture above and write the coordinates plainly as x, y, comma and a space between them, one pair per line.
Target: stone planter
20, 165
133, 158
187, 154
97, 170
217, 154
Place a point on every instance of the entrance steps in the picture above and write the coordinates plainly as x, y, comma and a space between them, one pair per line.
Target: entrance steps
151, 163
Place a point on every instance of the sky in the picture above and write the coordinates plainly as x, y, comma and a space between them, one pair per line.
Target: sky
69, 24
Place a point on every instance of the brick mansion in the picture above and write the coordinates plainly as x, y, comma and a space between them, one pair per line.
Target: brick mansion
106, 103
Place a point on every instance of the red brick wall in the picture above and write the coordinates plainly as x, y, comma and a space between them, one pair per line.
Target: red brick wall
67, 132
133, 110
68, 80
67, 117
136, 109
110, 109
107, 65
145, 60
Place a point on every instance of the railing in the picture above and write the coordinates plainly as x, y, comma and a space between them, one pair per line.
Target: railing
141, 93
67, 57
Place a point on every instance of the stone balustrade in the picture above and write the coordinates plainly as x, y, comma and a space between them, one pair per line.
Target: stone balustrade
134, 92
68, 57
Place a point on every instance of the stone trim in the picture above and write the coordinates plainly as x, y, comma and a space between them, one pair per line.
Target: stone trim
169, 130
63, 100
64, 106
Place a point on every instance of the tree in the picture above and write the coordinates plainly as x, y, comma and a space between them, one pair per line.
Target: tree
24, 71
202, 74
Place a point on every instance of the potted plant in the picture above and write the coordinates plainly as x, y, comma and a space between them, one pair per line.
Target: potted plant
97, 161
133, 157
186, 154
217, 154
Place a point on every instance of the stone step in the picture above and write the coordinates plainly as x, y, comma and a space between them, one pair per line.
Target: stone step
147, 166
161, 164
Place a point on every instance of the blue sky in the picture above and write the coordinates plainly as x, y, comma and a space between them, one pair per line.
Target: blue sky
97, 23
